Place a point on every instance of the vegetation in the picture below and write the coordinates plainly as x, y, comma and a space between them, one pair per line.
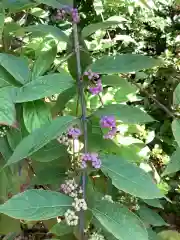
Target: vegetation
90, 119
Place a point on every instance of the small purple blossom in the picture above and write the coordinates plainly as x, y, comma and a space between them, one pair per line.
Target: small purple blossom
91, 75
111, 133
75, 15
97, 88
91, 157
74, 132
108, 122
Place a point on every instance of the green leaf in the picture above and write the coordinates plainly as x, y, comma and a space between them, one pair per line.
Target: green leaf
44, 86
44, 62
176, 95
16, 66
119, 221
129, 178
124, 113
35, 114
6, 79
56, 3
153, 203
124, 63
149, 216
61, 229
50, 152
98, 6
92, 28
125, 90
8, 225
37, 205
41, 137
7, 108
176, 130
17, 6
49, 175
174, 164
63, 99
47, 30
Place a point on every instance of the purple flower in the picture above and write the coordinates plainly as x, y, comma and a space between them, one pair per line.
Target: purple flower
97, 88
74, 132
111, 133
91, 157
75, 15
108, 122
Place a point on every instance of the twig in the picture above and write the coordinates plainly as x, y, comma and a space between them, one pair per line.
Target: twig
83, 110
155, 100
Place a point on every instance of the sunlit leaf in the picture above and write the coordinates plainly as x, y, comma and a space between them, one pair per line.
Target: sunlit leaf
36, 205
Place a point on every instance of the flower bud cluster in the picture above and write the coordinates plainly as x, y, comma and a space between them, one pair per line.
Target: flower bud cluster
108, 198
91, 157
79, 204
110, 123
3, 131
64, 139
96, 236
63, 13
95, 81
71, 218
71, 188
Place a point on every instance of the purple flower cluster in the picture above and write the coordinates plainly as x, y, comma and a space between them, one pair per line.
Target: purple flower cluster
91, 157
109, 122
75, 15
63, 13
74, 133
96, 81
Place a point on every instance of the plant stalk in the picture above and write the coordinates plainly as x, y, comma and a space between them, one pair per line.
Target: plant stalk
83, 117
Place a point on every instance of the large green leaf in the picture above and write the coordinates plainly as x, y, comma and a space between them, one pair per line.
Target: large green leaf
92, 28
129, 178
176, 130
36, 205
124, 113
176, 95
40, 138
16, 66
174, 164
7, 108
124, 63
35, 114
44, 86
49, 152
47, 30
149, 216
119, 221
44, 61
